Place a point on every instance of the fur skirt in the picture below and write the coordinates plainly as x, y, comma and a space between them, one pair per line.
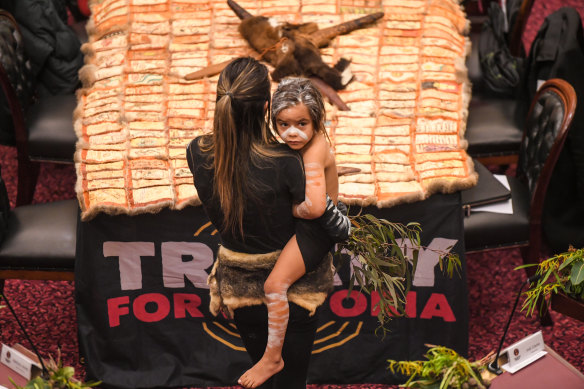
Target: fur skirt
237, 280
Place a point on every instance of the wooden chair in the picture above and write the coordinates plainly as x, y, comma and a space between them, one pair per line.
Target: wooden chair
43, 128
37, 242
546, 129
493, 131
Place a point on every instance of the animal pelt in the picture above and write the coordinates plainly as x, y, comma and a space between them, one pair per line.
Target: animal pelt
237, 280
290, 50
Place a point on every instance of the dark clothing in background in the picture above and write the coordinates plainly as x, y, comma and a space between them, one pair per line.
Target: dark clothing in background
558, 52
53, 48
52, 52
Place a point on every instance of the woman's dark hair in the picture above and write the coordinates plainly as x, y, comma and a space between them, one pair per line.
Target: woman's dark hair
241, 135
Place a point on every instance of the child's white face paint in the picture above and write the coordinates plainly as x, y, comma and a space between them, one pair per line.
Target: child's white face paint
295, 127
293, 131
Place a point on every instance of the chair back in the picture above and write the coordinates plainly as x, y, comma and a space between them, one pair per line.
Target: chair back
546, 129
15, 75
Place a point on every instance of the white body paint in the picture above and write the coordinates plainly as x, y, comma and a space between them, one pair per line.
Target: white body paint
293, 131
302, 210
278, 313
312, 170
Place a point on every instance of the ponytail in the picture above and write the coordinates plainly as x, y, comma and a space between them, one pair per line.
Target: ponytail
240, 136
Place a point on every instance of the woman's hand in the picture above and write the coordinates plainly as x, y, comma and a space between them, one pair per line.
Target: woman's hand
337, 225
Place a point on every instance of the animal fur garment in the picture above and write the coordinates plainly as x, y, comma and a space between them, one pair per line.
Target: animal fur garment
237, 280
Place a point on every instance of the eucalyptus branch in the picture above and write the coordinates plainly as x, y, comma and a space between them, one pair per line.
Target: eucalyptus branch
387, 254
563, 272
444, 368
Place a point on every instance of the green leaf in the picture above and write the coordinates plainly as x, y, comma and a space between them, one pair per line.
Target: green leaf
577, 274
382, 265
525, 266
568, 261
415, 256
68, 372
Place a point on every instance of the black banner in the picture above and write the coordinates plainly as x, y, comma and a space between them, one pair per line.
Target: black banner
142, 304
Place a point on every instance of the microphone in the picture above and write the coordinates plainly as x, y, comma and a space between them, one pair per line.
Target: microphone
44, 368
493, 367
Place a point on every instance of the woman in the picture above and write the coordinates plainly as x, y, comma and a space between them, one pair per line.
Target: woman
247, 182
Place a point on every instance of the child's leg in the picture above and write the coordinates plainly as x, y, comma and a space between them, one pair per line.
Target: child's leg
288, 268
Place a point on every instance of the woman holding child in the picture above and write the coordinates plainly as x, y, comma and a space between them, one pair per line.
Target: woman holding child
249, 183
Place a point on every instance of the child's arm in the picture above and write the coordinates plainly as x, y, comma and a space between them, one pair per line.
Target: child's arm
314, 156
332, 177
335, 223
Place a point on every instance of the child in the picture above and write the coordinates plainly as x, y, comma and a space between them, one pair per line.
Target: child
298, 116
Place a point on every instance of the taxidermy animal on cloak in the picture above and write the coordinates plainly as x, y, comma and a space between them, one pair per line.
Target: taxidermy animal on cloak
293, 49
292, 53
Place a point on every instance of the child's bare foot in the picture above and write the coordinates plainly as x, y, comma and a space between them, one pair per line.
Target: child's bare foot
260, 372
